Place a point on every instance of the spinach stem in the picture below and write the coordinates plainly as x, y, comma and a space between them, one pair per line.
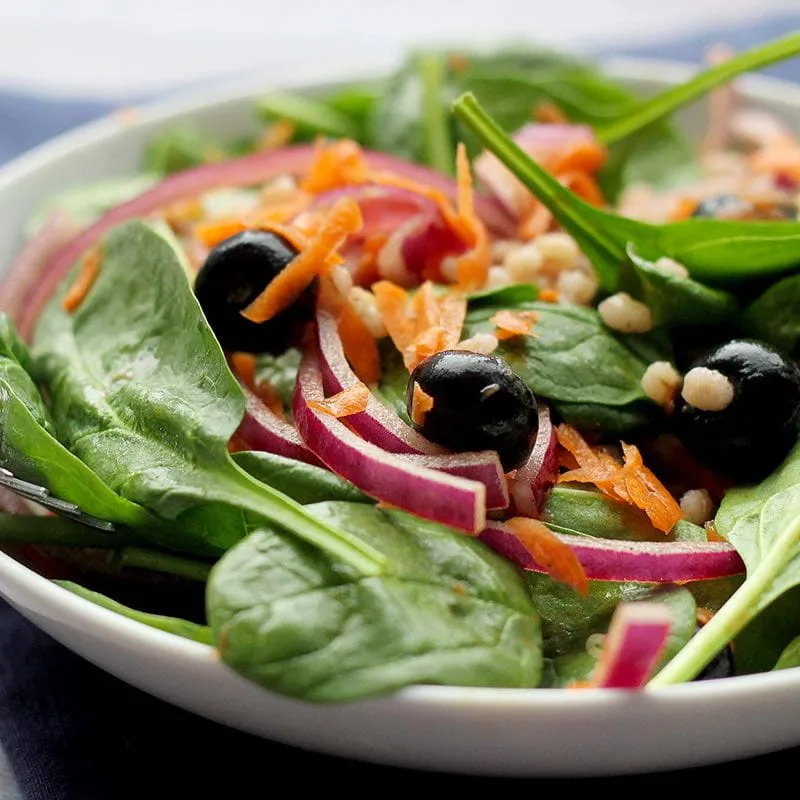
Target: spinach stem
260, 499
564, 205
437, 138
55, 531
143, 558
670, 100
742, 606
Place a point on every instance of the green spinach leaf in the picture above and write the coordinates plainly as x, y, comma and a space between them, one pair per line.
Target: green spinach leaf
672, 299
280, 372
446, 611
141, 392
763, 523
304, 483
773, 317
310, 115
790, 657
178, 627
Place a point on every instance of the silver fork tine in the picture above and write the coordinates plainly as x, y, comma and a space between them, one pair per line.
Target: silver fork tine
39, 494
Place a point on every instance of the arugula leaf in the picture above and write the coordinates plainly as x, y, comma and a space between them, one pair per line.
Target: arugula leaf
773, 316
445, 611
674, 300
141, 392
178, 627
763, 523
304, 483
714, 251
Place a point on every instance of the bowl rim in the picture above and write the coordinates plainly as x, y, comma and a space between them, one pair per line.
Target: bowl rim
27, 581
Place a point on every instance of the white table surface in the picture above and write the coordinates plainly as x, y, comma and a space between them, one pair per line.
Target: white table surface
123, 48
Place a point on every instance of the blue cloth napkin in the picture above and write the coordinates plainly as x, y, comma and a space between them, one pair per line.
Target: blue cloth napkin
73, 732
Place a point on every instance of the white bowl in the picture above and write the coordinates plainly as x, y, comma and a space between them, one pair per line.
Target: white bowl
509, 732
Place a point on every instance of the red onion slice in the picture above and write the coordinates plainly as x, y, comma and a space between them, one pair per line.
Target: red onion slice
32, 260
534, 478
245, 171
382, 427
633, 645
390, 478
262, 429
538, 140
616, 560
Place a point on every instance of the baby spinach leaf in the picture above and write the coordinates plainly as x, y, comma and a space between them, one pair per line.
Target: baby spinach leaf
763, 523
178, 627
304, 483
714, 251
773, 316
446, 610
280, 372
674, 300
310, 115
611, 421
513, 296
32, 453
790, 657
570, 509
142, 394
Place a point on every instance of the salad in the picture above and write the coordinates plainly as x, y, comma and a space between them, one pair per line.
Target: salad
478, 374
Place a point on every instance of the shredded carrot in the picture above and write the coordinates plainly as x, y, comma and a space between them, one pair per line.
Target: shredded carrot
212, 232
704, 615
631, 482
269, 396
472, 267
393, 305
583, 156
352, 400
458, 62
244, 367
550, 552
780, 156
343, 219
509, 324
336, 164
683, 209
548, 296
712, 534
359, 345
430, 341
425, 308
549, 113
178, 214
90, 270
584, 185
538, 221
421, 404
277, 135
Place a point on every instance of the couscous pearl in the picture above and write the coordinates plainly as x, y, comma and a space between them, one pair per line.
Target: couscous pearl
524, 263
671, 267
502, 247
594, 644
283, 187
622, 313
449, 269
366, 307
576, 286
342, 279
661, 382
558, 250
697, 506
497, 278
707, 389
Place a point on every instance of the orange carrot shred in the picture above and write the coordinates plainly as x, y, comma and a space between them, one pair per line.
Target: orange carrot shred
548, 296
421, 404
550, 552
583, 156
431, 341
548, 112
90, 270
352, 400
394, 309
244, 367
472, 267
343, 219
337, 164
269, 396
509, 324
277, 135
583, 185
632, 482
359, 345
212, 232
683, 209
536, 222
